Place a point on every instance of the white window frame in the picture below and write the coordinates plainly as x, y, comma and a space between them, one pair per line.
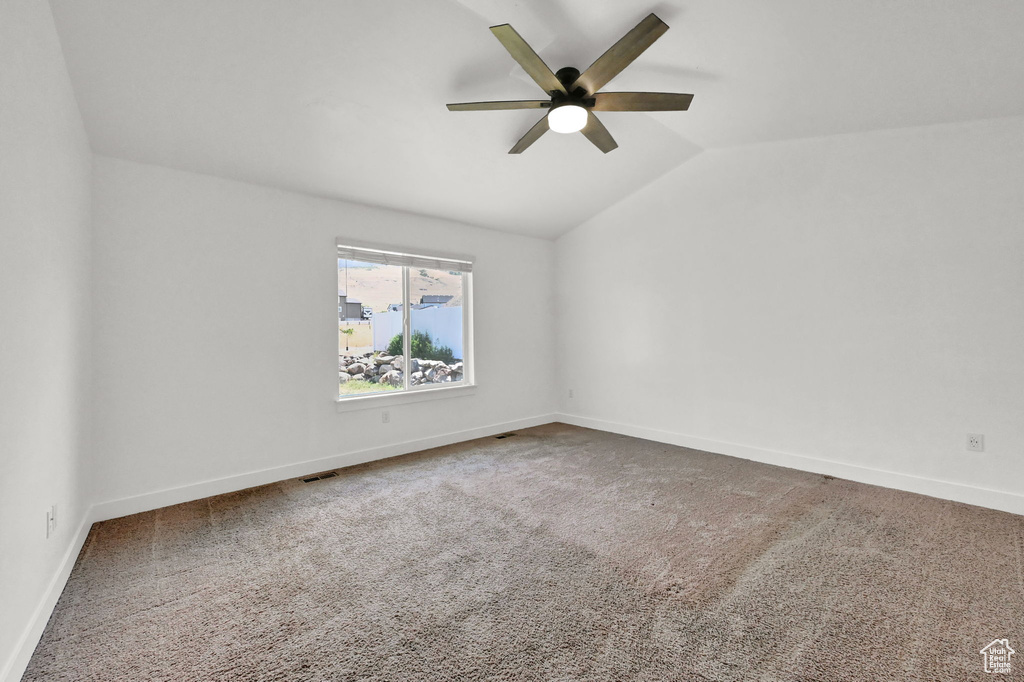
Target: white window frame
411, 393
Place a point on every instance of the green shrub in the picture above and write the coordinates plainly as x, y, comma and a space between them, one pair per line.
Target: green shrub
423, 348
395, 345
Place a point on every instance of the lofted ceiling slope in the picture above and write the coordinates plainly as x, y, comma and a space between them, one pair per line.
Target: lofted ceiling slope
346, 98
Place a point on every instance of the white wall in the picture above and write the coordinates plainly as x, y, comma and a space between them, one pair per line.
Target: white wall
45, 167
858, 299
216, 329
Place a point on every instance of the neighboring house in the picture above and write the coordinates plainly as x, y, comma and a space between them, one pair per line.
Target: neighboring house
349, 309
397, 307
435, 300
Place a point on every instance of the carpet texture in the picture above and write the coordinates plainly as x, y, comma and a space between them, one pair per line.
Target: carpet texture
558, 554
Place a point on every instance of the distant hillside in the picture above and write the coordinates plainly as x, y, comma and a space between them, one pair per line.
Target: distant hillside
380, 286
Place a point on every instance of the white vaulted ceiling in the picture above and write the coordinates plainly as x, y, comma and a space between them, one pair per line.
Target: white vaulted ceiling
345, 98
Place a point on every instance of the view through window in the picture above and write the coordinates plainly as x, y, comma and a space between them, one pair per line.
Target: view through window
402, 321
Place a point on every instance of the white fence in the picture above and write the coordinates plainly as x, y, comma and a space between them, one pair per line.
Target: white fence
443, 324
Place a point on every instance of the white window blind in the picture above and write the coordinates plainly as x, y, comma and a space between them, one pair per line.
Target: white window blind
384, 257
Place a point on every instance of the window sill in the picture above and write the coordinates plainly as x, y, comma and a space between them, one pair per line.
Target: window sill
367, 402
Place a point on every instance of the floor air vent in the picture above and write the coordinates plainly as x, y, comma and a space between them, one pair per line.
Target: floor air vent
329, 474
505, 435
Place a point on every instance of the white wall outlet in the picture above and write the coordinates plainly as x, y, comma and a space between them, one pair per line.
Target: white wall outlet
976, 442
385, 417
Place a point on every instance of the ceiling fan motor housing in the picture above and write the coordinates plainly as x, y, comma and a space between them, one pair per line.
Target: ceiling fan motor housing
567, 76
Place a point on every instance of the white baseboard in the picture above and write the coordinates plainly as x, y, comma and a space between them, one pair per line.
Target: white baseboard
18, 661
197, 491
958, 492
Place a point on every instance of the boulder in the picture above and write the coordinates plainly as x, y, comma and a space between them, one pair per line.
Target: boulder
416, 377
356, 368
343, 377
398, 362
385, 368
359, 377
415, 365
383, 359
392, 378
457, 367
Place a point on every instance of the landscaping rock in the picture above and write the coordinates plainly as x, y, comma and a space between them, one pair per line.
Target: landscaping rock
388, 369
393, 378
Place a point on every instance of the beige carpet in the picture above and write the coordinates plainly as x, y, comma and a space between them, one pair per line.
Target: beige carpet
558, 554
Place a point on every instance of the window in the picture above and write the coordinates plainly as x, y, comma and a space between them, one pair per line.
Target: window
404, 321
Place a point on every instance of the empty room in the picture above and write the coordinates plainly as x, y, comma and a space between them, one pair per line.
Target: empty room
480, 340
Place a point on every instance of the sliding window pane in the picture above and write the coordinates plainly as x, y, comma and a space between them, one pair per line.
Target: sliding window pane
369, 315
436, 322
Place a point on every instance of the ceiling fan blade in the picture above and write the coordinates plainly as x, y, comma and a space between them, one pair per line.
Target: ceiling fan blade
494, 106
621, 54
528, 59
598, 134
641, 101
531, 136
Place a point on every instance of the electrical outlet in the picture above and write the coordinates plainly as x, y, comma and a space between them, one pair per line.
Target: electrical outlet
385, 417
976, 442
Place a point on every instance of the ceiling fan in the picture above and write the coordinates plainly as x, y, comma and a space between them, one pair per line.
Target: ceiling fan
574, 96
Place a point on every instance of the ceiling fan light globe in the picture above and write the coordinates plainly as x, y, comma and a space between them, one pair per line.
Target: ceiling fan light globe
568, 118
